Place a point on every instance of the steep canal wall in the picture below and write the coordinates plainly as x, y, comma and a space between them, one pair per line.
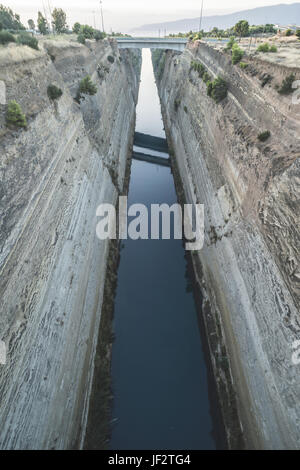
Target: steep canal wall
248, 269
70, 158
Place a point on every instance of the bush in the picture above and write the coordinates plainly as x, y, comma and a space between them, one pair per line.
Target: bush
243, 65
230, 43
219, 89
14, 115
264, 48
209, 88
237, 54
81, 38
273, 48
206, 77
28, 40
54, 93
111, 59
286, 86
264, 136
185, 109
87, 87
87, 31
6, 37
99, 35
289, 32
298, 33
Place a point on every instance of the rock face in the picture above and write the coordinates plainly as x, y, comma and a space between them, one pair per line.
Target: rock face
71, 158
249, 266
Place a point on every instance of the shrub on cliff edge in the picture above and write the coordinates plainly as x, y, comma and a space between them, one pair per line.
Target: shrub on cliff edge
6, 37
53, 92
264, 136
219, 89
28, 40
14, 115
237, 54
86, 87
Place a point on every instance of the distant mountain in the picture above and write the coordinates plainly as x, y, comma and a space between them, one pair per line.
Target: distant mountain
277, 14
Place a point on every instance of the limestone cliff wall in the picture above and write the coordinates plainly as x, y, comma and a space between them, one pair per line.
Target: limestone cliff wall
54, 174
249, 266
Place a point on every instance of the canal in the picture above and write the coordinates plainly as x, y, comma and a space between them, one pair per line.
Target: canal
160, 377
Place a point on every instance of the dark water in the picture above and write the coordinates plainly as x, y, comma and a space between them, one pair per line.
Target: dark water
160, 384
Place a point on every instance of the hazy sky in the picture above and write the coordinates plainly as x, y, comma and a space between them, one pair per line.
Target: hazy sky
122, 15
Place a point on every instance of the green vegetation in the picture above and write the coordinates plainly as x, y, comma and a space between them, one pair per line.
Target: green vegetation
206, 77
264, 136
243, 65
86, 87
286, 86
289, 32
6, 37
59, 20
81, 38
53, 92
9, 19
14, 115
31, 24
265, 47
76, 28
237, 54
230, 43
42, 24
298, 33
242, 28
27, 40
110, 59
85, 31
198, 67
185, 109
218, 89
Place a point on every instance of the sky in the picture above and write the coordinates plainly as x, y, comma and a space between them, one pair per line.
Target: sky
122, 15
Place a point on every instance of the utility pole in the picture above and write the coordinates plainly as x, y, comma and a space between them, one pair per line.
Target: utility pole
200, 19
102, 16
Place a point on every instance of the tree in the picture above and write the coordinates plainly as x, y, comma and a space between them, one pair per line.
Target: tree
9, 19
242, 28
76, 28
31, 24
87, 31
42, 24
59, 20
14, 115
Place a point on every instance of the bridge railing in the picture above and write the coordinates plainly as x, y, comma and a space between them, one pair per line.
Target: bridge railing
152, 39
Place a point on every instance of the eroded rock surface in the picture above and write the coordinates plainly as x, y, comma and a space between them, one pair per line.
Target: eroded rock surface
249, 266
71, 158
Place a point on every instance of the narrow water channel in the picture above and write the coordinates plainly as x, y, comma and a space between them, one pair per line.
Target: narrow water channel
160, 379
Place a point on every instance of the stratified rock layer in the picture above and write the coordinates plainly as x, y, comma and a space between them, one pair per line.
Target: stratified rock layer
71, 158
249, 266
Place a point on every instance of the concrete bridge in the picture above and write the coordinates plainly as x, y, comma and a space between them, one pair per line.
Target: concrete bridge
176, 44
